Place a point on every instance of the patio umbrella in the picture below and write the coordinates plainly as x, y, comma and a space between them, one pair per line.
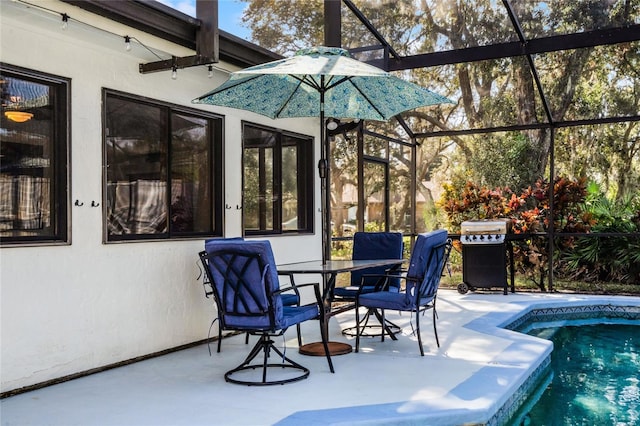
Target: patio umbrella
320, 82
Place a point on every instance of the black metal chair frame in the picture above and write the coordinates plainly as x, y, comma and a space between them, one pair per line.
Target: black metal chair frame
384, 325
265, 343
422, 286
366, 329
209, 293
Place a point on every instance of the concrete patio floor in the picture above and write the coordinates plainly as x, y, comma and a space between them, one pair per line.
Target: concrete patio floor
474, 372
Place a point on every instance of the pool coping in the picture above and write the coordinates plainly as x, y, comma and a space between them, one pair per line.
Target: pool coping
596, 309
503, 385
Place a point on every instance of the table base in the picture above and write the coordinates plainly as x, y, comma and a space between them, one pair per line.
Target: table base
317, 348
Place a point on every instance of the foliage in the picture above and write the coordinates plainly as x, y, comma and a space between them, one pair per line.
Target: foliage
578, 84
529, 212
578, 208
610, 258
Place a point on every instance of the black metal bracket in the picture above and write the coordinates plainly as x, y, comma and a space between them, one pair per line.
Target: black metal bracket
176, 63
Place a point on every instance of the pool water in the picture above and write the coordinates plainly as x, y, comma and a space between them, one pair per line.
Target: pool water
595, 377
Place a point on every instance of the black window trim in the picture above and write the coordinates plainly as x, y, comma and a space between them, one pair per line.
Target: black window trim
309, 204
61, 213
216, 170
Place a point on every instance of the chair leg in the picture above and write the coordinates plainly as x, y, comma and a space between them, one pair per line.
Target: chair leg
299, 334
265, 345
390, 327
435, 330
357, 327
219, 338
418, 332
386, 325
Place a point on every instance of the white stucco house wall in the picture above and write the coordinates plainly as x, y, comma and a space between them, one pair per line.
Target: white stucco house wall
71, 308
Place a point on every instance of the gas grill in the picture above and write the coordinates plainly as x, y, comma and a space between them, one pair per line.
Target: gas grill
485, 252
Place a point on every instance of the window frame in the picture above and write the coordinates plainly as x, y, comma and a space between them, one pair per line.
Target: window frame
215, 175
61, 153
305, 160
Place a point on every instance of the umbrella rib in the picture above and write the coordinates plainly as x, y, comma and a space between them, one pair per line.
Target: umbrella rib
239, 82
308, 81
293, 92
342, 80
367, 98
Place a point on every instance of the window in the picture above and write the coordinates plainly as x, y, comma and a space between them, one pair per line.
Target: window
163, 170
34, 146
278, 181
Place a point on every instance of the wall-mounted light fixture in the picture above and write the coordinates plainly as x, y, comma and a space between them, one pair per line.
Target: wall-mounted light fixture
332, 124
18, 116
127, 43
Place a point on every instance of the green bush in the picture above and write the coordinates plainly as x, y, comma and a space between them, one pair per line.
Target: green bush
607, 258
529, 212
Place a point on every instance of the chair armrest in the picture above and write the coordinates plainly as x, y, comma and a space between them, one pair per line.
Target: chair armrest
292, 285
396, 274
400, 275
316, 291
296, 288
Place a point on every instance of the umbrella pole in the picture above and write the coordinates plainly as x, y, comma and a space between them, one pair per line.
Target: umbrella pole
323, 168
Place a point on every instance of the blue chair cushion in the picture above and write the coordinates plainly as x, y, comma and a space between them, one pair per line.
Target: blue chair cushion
254, 302
293, 315
351, 291
389, 300
375, 245
368, 246
289, 299
422, 250
423, 269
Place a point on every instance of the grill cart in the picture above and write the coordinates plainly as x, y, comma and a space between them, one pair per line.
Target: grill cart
485, 251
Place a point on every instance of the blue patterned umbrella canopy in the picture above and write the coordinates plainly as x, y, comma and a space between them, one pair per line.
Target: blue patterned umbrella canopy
294, 87
319, 82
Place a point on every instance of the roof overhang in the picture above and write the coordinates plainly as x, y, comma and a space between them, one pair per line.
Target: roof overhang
169, 24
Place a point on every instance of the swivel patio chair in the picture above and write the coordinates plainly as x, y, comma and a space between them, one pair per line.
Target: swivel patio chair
368, 246
290, 298
428, 259
248, 298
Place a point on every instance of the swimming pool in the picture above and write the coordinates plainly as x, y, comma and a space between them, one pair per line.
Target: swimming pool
592, 375
593, 379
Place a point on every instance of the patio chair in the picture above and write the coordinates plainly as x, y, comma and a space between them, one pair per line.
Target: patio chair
248, 298
428, 259
367, 246
290, 298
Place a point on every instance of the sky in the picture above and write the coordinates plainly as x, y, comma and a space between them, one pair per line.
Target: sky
229, 11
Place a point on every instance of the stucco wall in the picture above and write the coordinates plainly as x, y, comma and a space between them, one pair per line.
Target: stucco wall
67, 309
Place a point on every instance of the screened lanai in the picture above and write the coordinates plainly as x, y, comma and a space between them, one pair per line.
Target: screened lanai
543, 129
545, 92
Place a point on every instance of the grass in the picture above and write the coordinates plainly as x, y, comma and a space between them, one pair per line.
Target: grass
559, 285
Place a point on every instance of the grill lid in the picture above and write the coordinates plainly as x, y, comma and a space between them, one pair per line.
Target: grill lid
485, 226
